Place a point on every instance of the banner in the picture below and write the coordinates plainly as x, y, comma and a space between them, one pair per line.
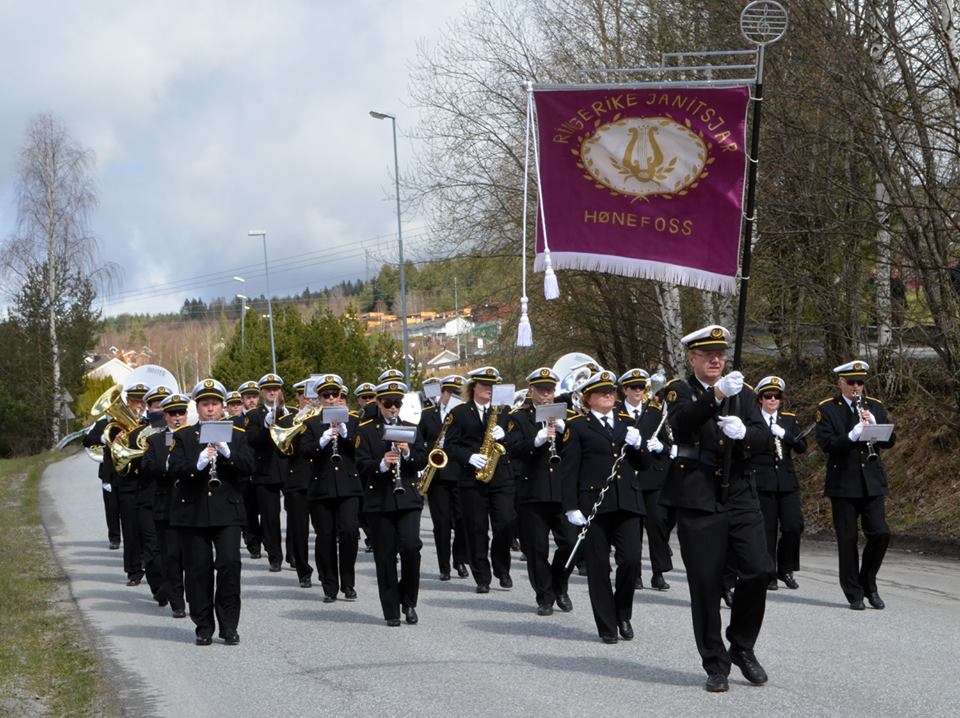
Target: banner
644, 182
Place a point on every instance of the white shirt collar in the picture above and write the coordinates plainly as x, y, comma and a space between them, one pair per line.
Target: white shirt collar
631, 409
601, 417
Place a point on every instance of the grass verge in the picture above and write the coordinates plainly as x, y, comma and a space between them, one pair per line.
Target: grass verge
47, 665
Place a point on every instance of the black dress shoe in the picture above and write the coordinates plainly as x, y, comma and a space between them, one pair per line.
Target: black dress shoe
608, 639
393, 622
515, 546
544, 609
305, 583
114, 545
625, 629
564, 603
581, 569
748, 664
659, 583
232, 638
875, 601
788, 579
134, 581
275, 568
254, 554
716, 683
445, 576
462, 571
857, 605
179, 613
160, 599
369, 549
203, 640
329, 599
506, 582
728, 597
410, 614
350, 594
773, 585
639, 584
483, 588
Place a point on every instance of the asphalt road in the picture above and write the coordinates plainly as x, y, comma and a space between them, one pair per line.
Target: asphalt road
491, 655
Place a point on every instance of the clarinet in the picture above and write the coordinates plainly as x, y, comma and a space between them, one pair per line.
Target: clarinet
213, 482
397, 482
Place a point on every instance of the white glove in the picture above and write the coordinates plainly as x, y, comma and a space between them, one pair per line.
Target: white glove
559, 425
343, 431
732, 427
477, 461
855, 432
731, 384
541, 438
577, 518
654, 445
202, 461
777, 431
633, 437
104, 438
327, 437
869, 417
674, 451
497, 433
384, 466
223, 449
108, 488
269, 419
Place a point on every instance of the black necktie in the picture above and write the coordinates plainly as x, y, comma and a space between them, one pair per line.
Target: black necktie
771, 421
606, 425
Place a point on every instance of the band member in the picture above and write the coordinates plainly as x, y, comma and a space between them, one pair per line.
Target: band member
126, 487
208, 510
154, 464
593, 445
536, 446
856, 481
95, 438
250, 395
234, 403
146, 487
776, 481
334, 493
271, 465
488, 504
647, 416
392, 504
366, 393
717, 508
442, 495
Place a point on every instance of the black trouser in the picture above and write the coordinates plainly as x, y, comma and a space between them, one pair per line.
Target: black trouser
536, 521
251, 532
444, 500
782, 514
199, 547
706, 541
171, 562
150, 549
658, 532
268, 502
621, 530
132, 560
396, 533
484, 507
859, 576
111, 510
336, 523
298, 532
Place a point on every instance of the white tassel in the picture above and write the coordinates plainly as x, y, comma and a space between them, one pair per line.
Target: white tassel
524, 330
551, 288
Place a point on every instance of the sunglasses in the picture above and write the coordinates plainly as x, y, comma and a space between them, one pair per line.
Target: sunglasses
854, 382
177, 412
392, 403
330, 395
770, 395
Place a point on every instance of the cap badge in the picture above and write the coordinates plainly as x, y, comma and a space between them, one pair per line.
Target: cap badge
208, 383
716, 333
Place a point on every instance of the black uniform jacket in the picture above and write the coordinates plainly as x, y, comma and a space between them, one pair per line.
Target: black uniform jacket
770, 473
92, 440
655, 474
694, 477
145, 482
154, 465
329, 479
270, 466
463, 439
378, 496
195, 503
587, 459
430, 428
849, 473
537, 479
299, 471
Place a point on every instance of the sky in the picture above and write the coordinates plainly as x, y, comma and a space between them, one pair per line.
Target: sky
210, 119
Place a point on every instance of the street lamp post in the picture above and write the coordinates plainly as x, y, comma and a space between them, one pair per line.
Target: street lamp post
266, 270
403, 275
243, 317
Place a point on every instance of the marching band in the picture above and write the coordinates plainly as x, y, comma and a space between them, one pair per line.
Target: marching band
587, 471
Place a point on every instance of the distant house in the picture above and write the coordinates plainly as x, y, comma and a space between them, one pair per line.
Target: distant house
112, 368
444, 358
457, 326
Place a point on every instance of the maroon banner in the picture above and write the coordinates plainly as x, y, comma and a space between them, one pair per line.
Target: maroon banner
644, 182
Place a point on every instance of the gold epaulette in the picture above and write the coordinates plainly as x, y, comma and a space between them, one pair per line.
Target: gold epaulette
242, 431
672, 381
624, 415
788, 413
185, 426
364, 423
748, 386
354, 414
873, 398
575, 417
828, 399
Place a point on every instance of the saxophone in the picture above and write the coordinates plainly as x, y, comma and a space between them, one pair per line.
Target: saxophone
436, 459
491, 449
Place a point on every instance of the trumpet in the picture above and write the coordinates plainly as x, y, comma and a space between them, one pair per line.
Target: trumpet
872, 454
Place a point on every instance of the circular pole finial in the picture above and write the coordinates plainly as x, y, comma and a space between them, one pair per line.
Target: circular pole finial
763, 22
